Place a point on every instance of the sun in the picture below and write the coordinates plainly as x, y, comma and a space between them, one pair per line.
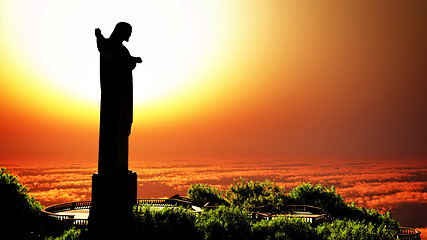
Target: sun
171, 45
55, 40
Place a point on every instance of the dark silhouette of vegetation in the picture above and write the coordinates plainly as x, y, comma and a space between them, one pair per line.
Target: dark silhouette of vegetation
72, 234
19, 211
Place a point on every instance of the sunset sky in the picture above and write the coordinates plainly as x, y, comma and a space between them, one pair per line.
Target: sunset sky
220, 79
330, 91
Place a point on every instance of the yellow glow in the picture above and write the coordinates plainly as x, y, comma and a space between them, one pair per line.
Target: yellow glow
52, 52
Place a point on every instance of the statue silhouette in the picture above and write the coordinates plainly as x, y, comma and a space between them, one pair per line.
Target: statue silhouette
116, 65
114, 187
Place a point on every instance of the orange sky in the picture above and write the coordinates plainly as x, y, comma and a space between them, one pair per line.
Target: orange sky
220, 79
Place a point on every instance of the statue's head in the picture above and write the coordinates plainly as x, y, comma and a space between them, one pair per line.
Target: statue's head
122, 31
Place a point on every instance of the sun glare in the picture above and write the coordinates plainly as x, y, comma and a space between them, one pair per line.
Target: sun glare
176, 41
169, 44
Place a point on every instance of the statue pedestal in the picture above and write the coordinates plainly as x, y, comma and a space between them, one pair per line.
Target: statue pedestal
113, 198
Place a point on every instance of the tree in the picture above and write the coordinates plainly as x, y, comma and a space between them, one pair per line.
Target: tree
205, 194
19, 212
255, 194
333, 203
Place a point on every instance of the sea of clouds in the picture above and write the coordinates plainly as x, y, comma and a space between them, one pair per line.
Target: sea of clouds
397, 186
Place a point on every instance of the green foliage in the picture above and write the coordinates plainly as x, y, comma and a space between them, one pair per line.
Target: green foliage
333, 203
369, 215
19, 212
255, 194
205, 193
249, 194
354, 230
166, 223
72, 234
234, 222
318, 196
225, 223
282, 228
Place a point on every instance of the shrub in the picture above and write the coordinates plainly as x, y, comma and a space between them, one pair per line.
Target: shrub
282, 228
234, 222
72, 234
224, 223
354, 230
255, 194
369, 215
333, 203
166, 223
205, 193
318, 196
19, 212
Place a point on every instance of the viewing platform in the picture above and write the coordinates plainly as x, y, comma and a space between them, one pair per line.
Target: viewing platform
77, 213
405, 233
307, 213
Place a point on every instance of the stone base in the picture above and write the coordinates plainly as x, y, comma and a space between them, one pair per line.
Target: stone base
113, 198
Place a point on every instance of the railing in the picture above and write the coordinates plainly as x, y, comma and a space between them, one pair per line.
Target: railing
51, 212
405, 233
290, 209
305, 212
68, 206
142, 201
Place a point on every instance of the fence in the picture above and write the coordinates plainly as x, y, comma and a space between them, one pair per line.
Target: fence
51, 212
305, 212
405, 233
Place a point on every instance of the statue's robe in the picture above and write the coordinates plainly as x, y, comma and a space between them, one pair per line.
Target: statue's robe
116, 65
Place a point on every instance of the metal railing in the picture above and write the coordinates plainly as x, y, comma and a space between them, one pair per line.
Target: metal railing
305, 212
166, 202
405, 233
68, 206
290, 209
51, 212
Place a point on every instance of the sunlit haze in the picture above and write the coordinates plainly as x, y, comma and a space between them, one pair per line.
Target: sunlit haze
53, 42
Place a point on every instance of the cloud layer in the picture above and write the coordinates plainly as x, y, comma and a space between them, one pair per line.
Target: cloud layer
387, 185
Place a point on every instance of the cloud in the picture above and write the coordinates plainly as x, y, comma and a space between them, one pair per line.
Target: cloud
55, 196
390, 201
423, 232
384, 185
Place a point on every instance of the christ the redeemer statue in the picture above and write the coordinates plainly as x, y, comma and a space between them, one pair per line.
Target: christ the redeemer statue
116, 65
114, 187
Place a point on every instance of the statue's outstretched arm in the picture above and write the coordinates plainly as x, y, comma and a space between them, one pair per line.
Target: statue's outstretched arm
98, 33
100, 40
103, 47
